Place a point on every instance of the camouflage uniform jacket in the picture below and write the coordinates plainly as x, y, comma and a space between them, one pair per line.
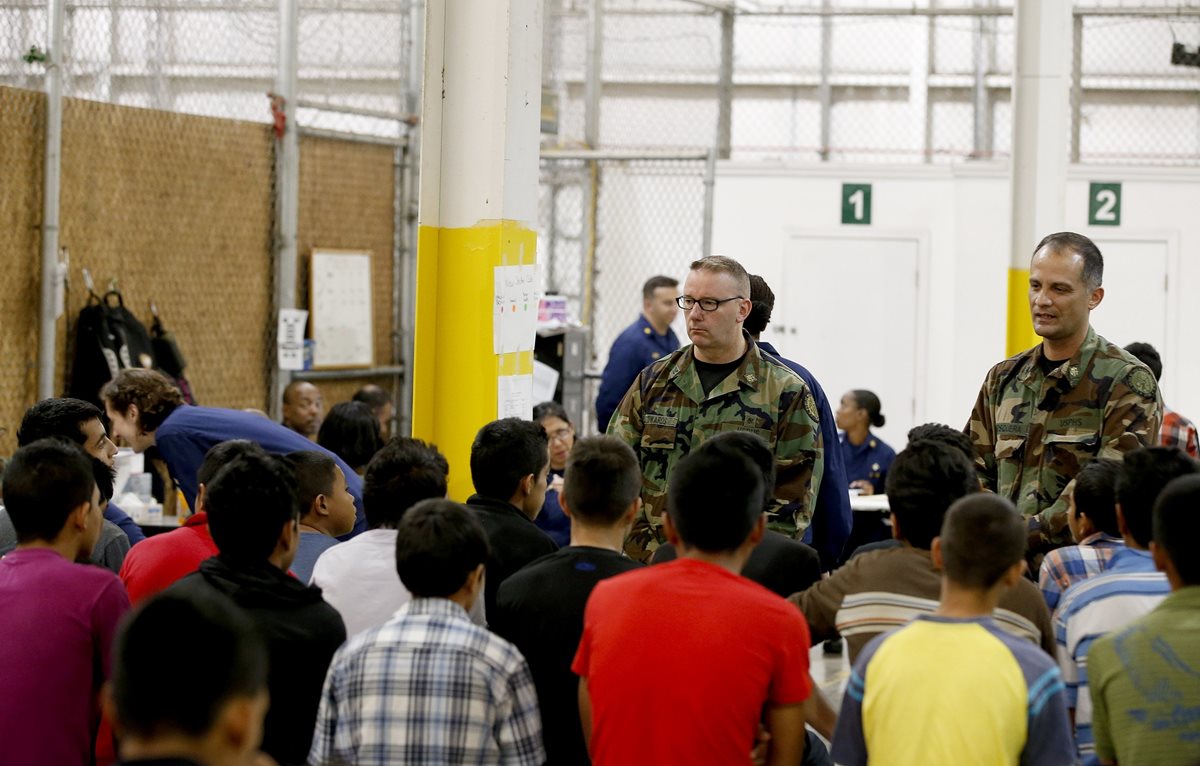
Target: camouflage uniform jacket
665, 414
1033, 432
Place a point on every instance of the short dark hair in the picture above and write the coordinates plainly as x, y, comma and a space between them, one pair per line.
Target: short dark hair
155, 395
155, 693
1069, 241
220, 454
762, 300
653, 283
1176, 525
373, 396
314, 476
983, 536
504, 452
249, 501
403, 473
1096, 494
43, 482
291, 387
924, 480
438, 543
602, 479
715, 496
1147, 355
352, 432
57, 417
1144, 473
951, 437
867, 400
550, 410
755, 448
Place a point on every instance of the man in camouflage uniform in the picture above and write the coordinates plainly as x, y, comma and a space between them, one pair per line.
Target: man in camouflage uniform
721, 382
1075, 397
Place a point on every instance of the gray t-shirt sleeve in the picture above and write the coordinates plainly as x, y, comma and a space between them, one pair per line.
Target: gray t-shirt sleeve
111, 548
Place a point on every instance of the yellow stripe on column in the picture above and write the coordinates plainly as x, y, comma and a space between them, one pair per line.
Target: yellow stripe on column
455, 369
1020, 324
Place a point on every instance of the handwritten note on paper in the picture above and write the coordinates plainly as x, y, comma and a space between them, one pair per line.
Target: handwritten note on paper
514, 312
514, 396
291, 338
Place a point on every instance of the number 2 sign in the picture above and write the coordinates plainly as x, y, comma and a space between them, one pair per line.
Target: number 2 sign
1104, 204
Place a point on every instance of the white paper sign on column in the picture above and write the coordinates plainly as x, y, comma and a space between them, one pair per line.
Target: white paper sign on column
514, 311
514, 396
291, 338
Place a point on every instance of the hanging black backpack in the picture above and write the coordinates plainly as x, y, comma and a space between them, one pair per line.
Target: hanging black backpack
108, 339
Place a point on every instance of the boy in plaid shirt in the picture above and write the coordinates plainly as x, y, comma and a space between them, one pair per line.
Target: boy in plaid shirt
1092, 516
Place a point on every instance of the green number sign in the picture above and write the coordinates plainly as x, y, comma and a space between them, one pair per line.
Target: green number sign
856, 203
1104, 204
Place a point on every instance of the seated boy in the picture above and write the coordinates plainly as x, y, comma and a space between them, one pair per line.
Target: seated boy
326, 508
953, 687
429, 686
1092, 518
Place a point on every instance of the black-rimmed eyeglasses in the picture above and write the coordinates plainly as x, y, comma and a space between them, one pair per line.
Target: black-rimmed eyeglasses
686, 302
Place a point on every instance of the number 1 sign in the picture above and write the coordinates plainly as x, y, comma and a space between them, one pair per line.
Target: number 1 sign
1104, 204
856, 203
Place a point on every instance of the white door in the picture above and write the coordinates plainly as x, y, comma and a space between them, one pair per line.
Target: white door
1135, 292
847, 310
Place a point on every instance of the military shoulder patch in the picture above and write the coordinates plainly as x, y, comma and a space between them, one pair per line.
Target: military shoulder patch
810, 406
1141, 382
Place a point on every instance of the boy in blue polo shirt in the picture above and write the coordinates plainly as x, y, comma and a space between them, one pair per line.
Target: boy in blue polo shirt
953, 687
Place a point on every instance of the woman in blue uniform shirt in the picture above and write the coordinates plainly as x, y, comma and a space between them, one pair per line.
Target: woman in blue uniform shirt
553, 418
867, 457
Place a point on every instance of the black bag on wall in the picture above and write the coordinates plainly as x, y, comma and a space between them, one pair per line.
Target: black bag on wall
108, 339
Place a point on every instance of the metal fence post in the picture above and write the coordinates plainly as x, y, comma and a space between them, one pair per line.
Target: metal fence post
287, 184
48, 325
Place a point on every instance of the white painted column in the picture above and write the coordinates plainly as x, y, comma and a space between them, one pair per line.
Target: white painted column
1041, 109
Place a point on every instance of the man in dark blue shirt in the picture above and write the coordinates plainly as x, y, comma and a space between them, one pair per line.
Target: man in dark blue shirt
146, 409
832, 517
641, 344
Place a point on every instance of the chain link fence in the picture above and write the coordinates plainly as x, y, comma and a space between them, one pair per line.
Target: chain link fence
609, 224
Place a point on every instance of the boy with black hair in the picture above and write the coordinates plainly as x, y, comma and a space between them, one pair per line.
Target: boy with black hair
253, 517
57, 620
540, 608
326, 507
208, 710
880, 590
163, 559
81, 422
428, 686
1092, 517
730, 654
953, 686
1128, 589
510, 462
1145, 679
358, 577
778, 563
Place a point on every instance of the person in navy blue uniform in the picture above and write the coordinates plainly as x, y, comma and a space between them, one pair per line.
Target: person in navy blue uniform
147, 410
553, 419
867, 457
639, 345
830, 527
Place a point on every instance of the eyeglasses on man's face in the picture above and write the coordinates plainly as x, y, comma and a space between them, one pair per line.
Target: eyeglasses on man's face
686, 302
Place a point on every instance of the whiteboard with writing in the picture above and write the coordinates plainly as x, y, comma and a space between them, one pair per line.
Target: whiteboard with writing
340, 306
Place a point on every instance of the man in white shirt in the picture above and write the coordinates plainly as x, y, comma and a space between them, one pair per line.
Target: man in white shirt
358, 577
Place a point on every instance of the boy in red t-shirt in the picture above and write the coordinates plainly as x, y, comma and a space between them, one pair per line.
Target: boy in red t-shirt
682, 662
